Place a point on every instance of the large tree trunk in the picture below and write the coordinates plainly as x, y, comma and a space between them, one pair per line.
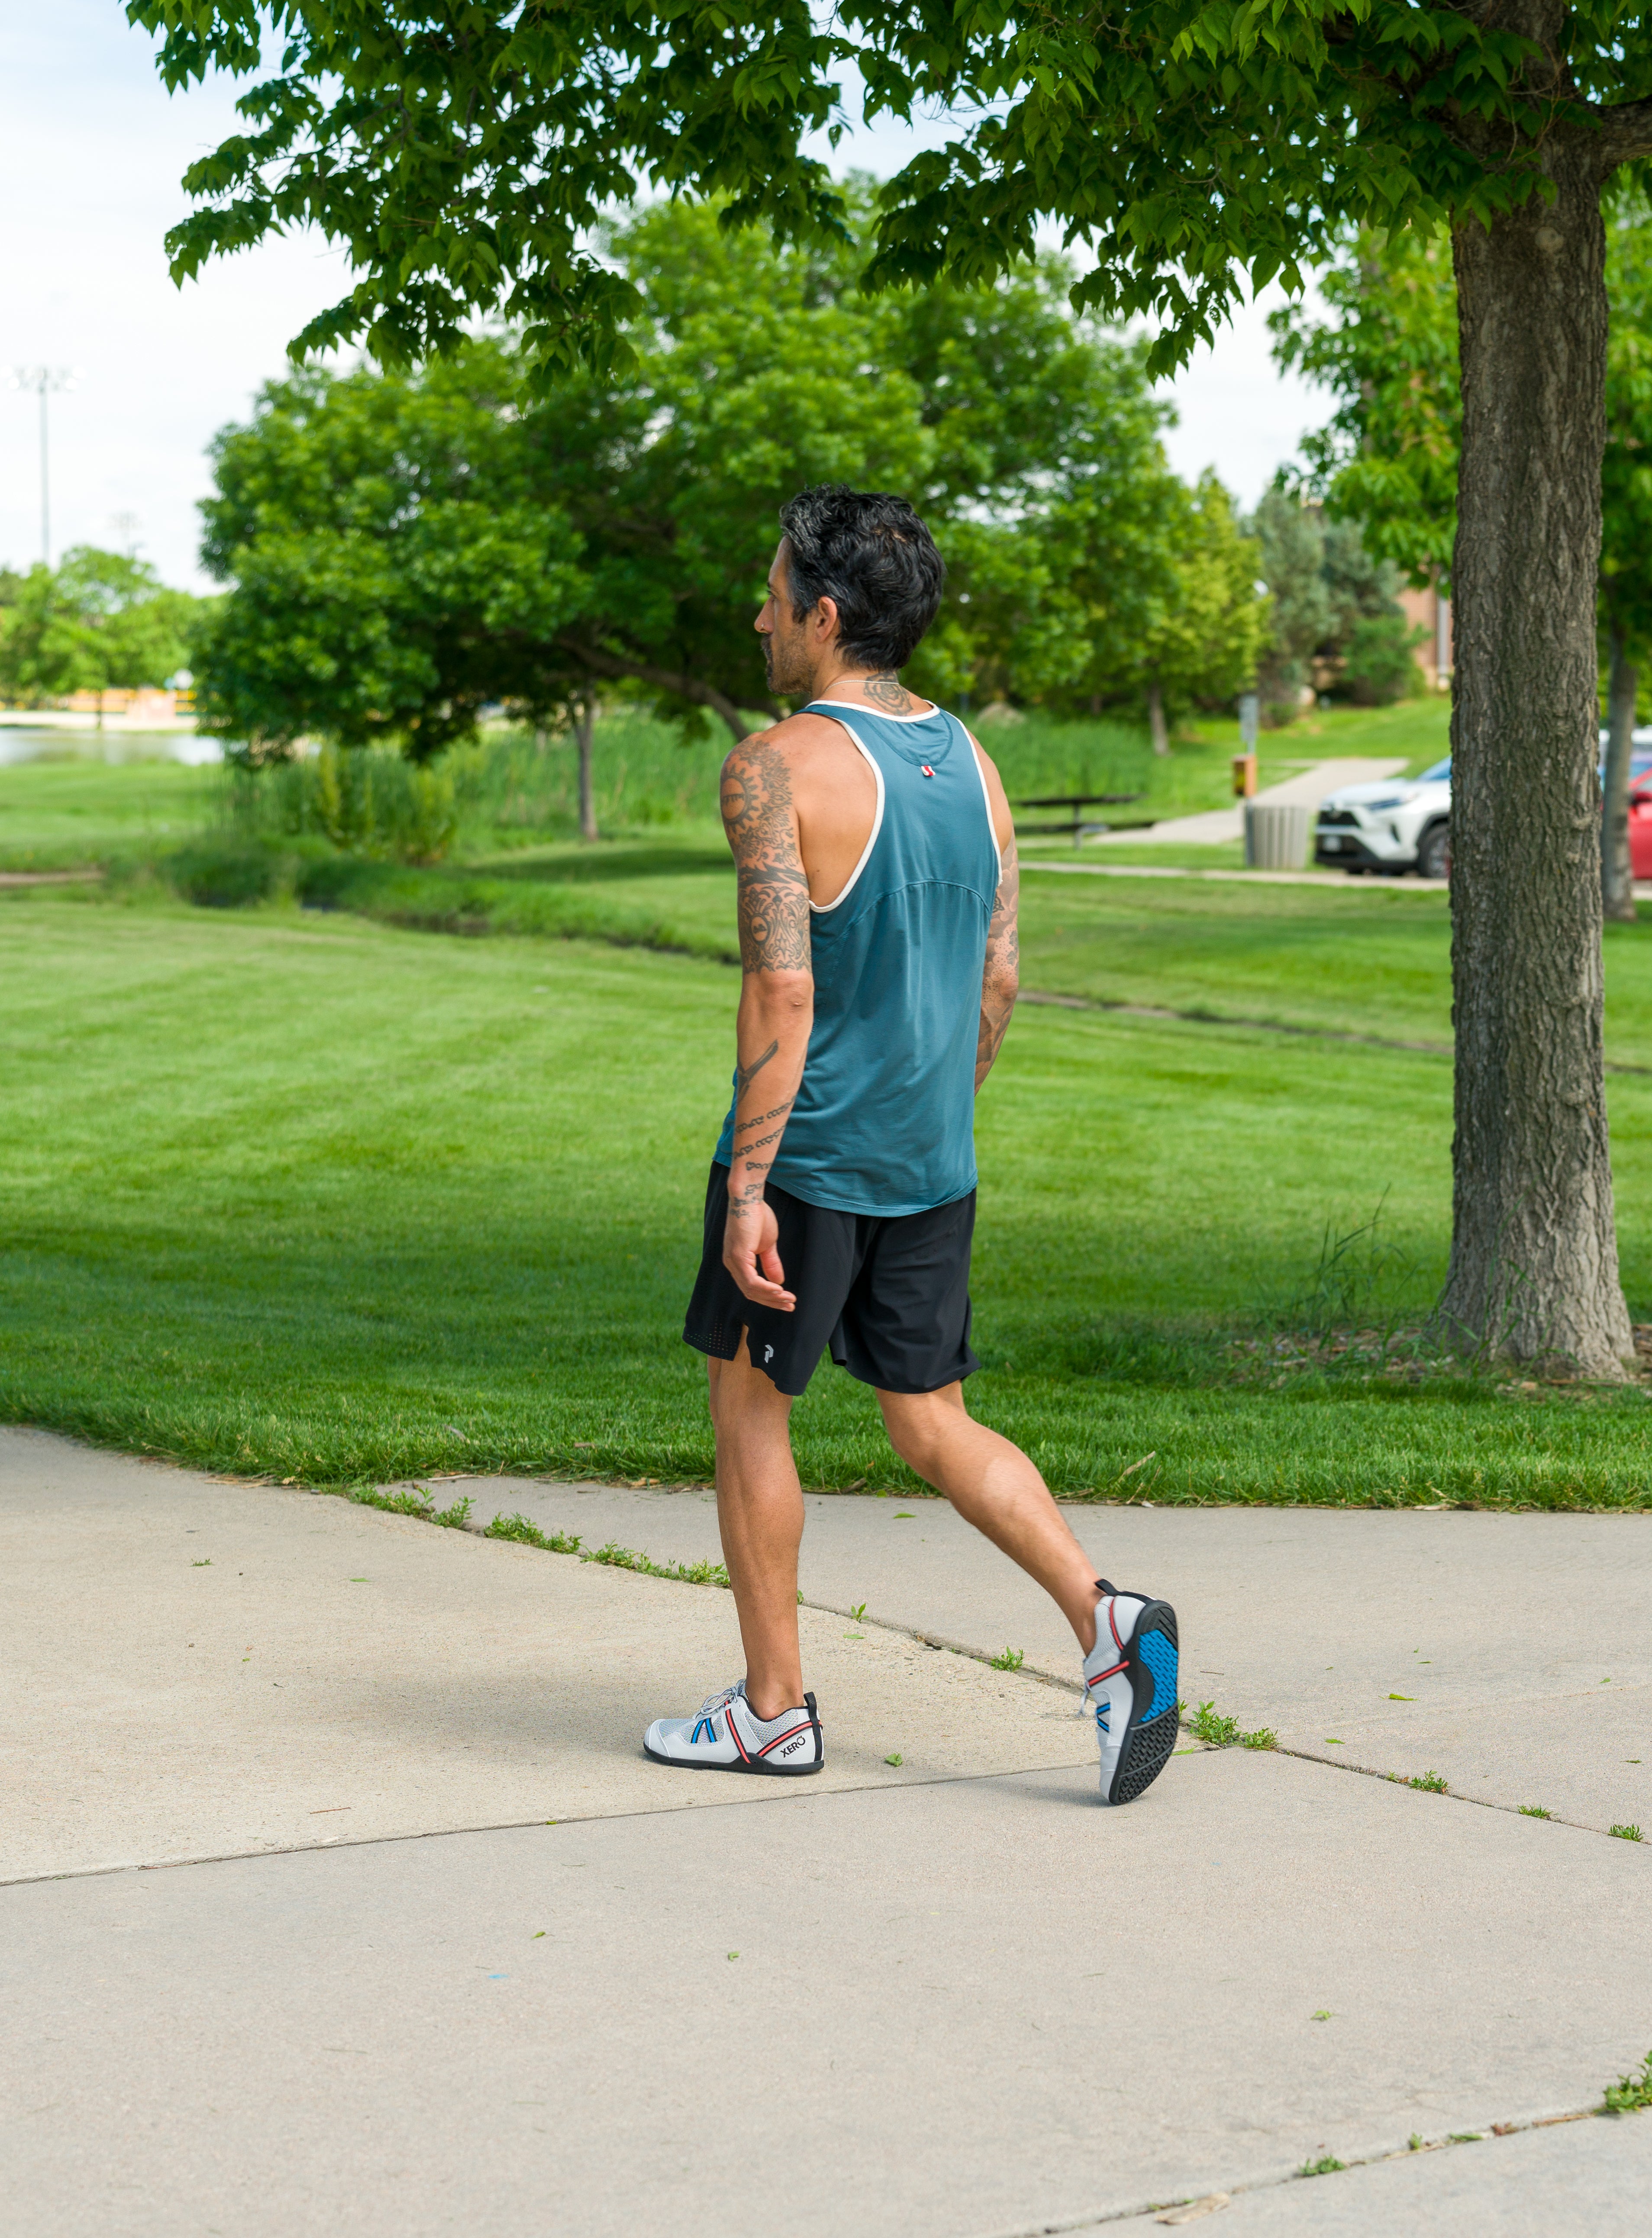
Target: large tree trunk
1534, 1251
1617, 875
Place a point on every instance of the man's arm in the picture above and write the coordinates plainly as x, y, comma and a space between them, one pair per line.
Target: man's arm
1001, 976
776, 1003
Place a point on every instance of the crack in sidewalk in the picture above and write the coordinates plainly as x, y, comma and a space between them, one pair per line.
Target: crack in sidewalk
1166, 2209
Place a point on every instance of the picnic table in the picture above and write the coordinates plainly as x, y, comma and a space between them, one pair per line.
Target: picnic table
1077, 803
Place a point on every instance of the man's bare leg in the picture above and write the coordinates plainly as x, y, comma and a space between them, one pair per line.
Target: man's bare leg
994, 1485
759, 1514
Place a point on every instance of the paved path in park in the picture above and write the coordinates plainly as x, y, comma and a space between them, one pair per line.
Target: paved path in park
339, 1898
1214, 826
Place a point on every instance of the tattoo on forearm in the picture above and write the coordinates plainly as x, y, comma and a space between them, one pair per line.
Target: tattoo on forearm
744, 1074
888, 692
1001, 974
763, 1118
774, 888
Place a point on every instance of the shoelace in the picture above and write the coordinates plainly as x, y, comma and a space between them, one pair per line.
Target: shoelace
715, 1703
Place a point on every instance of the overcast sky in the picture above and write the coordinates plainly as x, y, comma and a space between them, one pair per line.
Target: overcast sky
91, 151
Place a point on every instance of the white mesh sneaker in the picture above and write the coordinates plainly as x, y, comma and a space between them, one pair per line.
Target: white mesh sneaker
724, 1736
1130, 1682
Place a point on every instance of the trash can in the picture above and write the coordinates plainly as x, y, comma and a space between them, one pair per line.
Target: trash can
1276, 836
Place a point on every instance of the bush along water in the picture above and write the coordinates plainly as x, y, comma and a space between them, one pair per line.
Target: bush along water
366, 802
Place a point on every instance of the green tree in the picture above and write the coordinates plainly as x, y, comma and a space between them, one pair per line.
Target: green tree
1139, 594
1333, 603
395, 563
1388, 456
407, 546
462, 151
100, 621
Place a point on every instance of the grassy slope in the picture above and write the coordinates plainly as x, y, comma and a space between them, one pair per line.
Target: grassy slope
310, 1196
64, 810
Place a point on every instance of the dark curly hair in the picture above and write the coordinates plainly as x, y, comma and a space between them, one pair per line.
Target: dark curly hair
871, 554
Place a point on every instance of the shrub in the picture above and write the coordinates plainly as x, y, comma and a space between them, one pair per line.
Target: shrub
367, 801
1380, 667
226, 870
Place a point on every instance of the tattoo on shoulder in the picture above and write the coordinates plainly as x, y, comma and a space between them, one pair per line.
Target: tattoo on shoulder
888, 692
762, 837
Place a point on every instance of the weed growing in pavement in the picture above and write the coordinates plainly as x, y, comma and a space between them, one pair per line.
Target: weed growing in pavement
1431, 1783
1631, 2094
526, 1532
1326, 2166
1629, 1833
614, 1557
858, 1612
417, 1504
1011, 1660
1533, 1810
897, 1760
1216, 1732
1415, 2144
1466, 2137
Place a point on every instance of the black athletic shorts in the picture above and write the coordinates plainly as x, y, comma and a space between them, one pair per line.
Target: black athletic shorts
890, 1297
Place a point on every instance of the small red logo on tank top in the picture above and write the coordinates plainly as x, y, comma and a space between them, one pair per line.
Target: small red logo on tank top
926, 769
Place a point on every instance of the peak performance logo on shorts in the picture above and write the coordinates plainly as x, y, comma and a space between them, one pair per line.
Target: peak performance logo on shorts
768, 1354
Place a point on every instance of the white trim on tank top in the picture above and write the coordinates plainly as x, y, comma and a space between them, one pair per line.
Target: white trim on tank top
991, 828
823, 909
865, 707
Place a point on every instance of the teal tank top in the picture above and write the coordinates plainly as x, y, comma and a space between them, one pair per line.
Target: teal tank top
885, 1120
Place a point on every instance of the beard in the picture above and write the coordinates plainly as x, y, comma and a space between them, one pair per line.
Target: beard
784, 666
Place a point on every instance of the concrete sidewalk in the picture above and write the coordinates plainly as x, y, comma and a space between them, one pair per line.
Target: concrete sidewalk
951, 1998
1215, 826
1509, 1653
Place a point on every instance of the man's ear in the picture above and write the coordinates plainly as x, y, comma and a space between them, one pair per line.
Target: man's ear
826, 616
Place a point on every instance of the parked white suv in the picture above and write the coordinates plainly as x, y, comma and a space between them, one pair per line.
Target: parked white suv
1395, 825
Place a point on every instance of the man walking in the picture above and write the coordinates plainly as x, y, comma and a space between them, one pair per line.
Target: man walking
878, 889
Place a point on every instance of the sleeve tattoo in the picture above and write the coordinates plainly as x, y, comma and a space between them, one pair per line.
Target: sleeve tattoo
1001, 975
773, 888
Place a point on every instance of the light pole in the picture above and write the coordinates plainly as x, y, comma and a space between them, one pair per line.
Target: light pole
45, 380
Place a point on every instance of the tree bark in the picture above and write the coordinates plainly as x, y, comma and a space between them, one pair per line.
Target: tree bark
688, 687
584, 725
1534, 1268
1157, 727
1617, 875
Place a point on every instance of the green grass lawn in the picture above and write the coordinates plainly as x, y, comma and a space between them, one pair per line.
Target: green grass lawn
322, 1198
1418, 729
66, 809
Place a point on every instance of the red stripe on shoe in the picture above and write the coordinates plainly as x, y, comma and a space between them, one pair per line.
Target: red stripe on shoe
804, 1728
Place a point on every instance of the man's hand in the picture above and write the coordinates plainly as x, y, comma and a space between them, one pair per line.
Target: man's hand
752, 1256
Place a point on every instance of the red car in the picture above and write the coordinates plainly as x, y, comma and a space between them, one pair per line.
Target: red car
1641, 827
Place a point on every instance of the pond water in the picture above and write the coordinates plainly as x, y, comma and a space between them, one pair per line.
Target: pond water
38, 742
